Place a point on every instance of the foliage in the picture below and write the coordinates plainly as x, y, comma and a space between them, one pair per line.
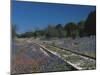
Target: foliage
81, 25
55, 31
71, 29
14, 28
90, 25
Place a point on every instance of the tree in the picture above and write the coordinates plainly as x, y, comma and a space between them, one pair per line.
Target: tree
51, 31
71, 29
14, 28
61, 31
59, 26
81, 25
38, 33
26, 34
90, 25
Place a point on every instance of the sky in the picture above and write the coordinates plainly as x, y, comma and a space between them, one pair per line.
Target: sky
34, 15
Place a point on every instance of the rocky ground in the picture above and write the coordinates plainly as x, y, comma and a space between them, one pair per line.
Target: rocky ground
28, 57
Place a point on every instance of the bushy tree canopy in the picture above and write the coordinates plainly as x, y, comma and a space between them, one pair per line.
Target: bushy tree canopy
90, 25
81, 25
71, 29
14, 28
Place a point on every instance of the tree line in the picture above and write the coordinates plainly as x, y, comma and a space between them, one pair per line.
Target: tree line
71, 29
